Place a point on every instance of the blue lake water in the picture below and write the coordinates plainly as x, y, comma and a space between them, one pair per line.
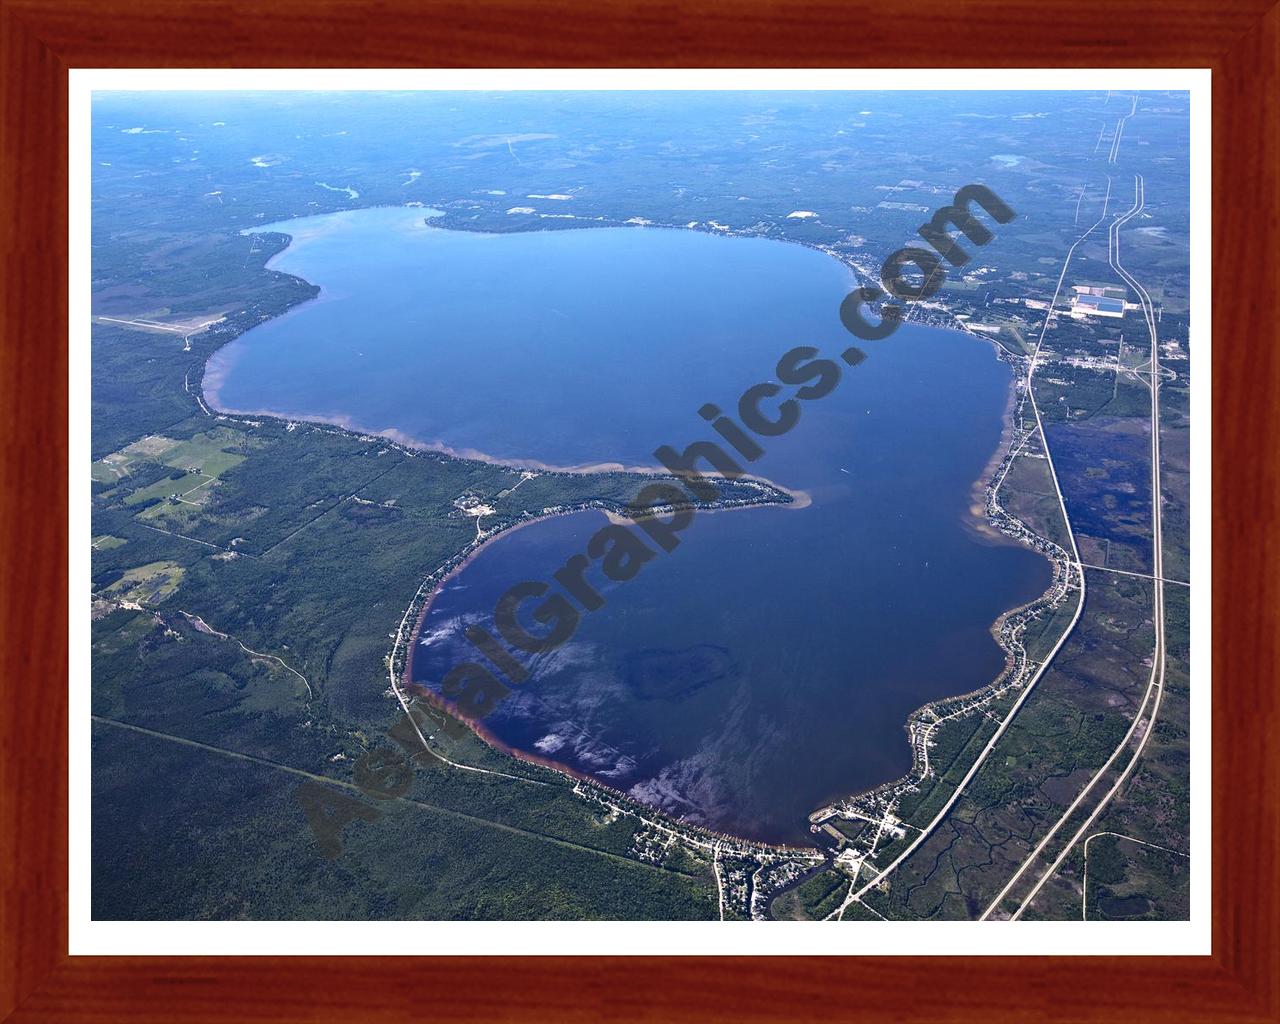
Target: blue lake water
768, 664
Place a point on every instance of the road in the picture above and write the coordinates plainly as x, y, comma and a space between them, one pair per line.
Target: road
401, 639
204, 627
1139, 575
1084, 887
1155, 685
352, 787
1115, 142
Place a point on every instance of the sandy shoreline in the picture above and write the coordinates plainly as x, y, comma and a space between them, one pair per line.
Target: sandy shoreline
799, 498
978, 521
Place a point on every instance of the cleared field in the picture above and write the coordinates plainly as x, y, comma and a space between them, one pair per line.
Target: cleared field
193, 467
208, 453
149, 447
120, 465
168, 486
210, 464
148, 583
110, 469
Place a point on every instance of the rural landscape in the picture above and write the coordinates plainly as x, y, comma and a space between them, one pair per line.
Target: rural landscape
363, 363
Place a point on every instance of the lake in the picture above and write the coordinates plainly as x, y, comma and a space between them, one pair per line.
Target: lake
768, 664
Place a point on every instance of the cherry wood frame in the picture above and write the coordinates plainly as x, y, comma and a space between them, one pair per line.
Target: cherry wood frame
41, 39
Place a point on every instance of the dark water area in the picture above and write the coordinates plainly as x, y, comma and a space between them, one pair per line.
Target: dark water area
1124, 906
1104, 467
768, 664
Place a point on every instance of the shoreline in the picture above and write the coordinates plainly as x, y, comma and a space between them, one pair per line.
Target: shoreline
581, 778
978, 517
489, 738
799, 497
990, 520
980, 522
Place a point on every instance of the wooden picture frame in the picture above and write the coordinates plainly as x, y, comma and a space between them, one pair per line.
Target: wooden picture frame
43, 39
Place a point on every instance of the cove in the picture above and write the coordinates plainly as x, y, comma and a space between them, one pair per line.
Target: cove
769, 663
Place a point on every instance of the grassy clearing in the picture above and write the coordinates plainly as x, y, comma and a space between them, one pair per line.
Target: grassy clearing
110, 469
148, 583
149, 447
167, 487
209, 453
213, 464
119, 465
159, 467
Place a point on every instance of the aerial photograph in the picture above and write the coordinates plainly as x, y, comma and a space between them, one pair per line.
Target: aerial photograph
640, 505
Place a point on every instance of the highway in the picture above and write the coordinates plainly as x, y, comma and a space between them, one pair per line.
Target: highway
1150, 706
1155, 685
1115, 142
